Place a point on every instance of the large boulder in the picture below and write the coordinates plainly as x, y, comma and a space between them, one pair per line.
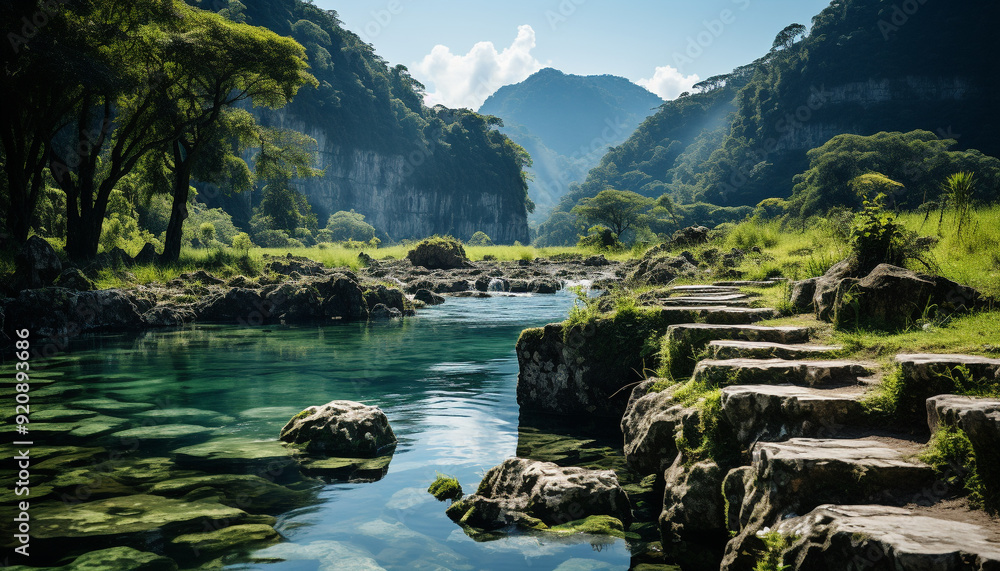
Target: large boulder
650, 428
288, 264
889, 296
342, 296
825, 287
37, 264
295, 303
60, 312
693, 504
541, 494
73, 278
241, 305
341, 428
690, 236
439, 254
428, 297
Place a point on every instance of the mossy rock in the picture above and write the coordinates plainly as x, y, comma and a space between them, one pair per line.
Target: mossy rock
347, 469
132, 521
61, 415
445, 488
116, 558
439, 253
234, 454
187, 416
225, 540
165, 434
247, 492
84, 429
89, 484
593, 525
111, 406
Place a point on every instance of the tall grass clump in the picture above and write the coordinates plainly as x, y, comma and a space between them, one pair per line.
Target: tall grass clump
754, 232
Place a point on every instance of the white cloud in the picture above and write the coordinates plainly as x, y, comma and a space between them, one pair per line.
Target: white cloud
668, 82
467, 80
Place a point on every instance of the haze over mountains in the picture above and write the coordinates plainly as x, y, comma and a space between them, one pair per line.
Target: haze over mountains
567, 123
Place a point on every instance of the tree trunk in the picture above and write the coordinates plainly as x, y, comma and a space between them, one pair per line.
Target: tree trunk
178, 211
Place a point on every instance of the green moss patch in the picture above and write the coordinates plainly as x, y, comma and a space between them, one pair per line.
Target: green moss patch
445, 488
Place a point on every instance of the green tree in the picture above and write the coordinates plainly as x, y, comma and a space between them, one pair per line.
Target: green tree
351, 225
206, 234
222, 63
619, 210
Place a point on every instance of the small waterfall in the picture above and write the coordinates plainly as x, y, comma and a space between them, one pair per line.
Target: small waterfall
497, 284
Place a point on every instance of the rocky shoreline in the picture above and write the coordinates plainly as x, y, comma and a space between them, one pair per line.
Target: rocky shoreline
61, 303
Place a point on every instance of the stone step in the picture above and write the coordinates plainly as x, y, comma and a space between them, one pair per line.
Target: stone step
735, 349
927, 375
797, 476
717, 314
749, 283
883, 537
979, 419
686, 341
779, 371
728, 301
770, 413
702, 290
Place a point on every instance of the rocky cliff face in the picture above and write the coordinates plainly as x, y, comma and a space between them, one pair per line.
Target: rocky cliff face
861, 106
385, 189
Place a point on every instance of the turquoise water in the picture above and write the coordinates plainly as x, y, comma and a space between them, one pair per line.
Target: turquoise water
446, 379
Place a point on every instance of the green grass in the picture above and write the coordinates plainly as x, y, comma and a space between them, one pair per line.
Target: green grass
951, 455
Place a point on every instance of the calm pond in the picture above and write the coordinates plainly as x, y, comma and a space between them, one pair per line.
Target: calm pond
446, 379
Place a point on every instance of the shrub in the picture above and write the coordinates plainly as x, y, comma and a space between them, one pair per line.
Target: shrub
876, 238
349, 226
272, 239
241, 242
206, 233
599, 238
480, 239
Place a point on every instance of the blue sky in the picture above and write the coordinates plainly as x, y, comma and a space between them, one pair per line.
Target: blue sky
463, 50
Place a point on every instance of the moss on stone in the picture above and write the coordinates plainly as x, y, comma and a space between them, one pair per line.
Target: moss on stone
226, 539
445, 488
593, 525
952, 456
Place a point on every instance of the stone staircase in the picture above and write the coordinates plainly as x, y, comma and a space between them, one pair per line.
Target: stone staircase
812, 464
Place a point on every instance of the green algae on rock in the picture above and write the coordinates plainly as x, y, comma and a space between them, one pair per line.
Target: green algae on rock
445, 488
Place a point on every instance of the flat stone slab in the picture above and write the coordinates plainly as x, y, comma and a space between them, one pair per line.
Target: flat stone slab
924, 366
702, 290
771, 413
242, 455
881, 537
749, 283
691, 332
719, 314
780, 371
187, 416
968, 413
927, 375
786, 479
111, 406
735, 349
137, 514
164, 433
735, 300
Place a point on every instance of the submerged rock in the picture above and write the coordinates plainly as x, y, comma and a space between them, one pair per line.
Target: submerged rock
225, 540
341, 428
540, 494
244, 491
429, 297
116, 558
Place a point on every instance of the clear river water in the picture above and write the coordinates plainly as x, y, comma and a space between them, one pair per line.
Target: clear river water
446, 379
